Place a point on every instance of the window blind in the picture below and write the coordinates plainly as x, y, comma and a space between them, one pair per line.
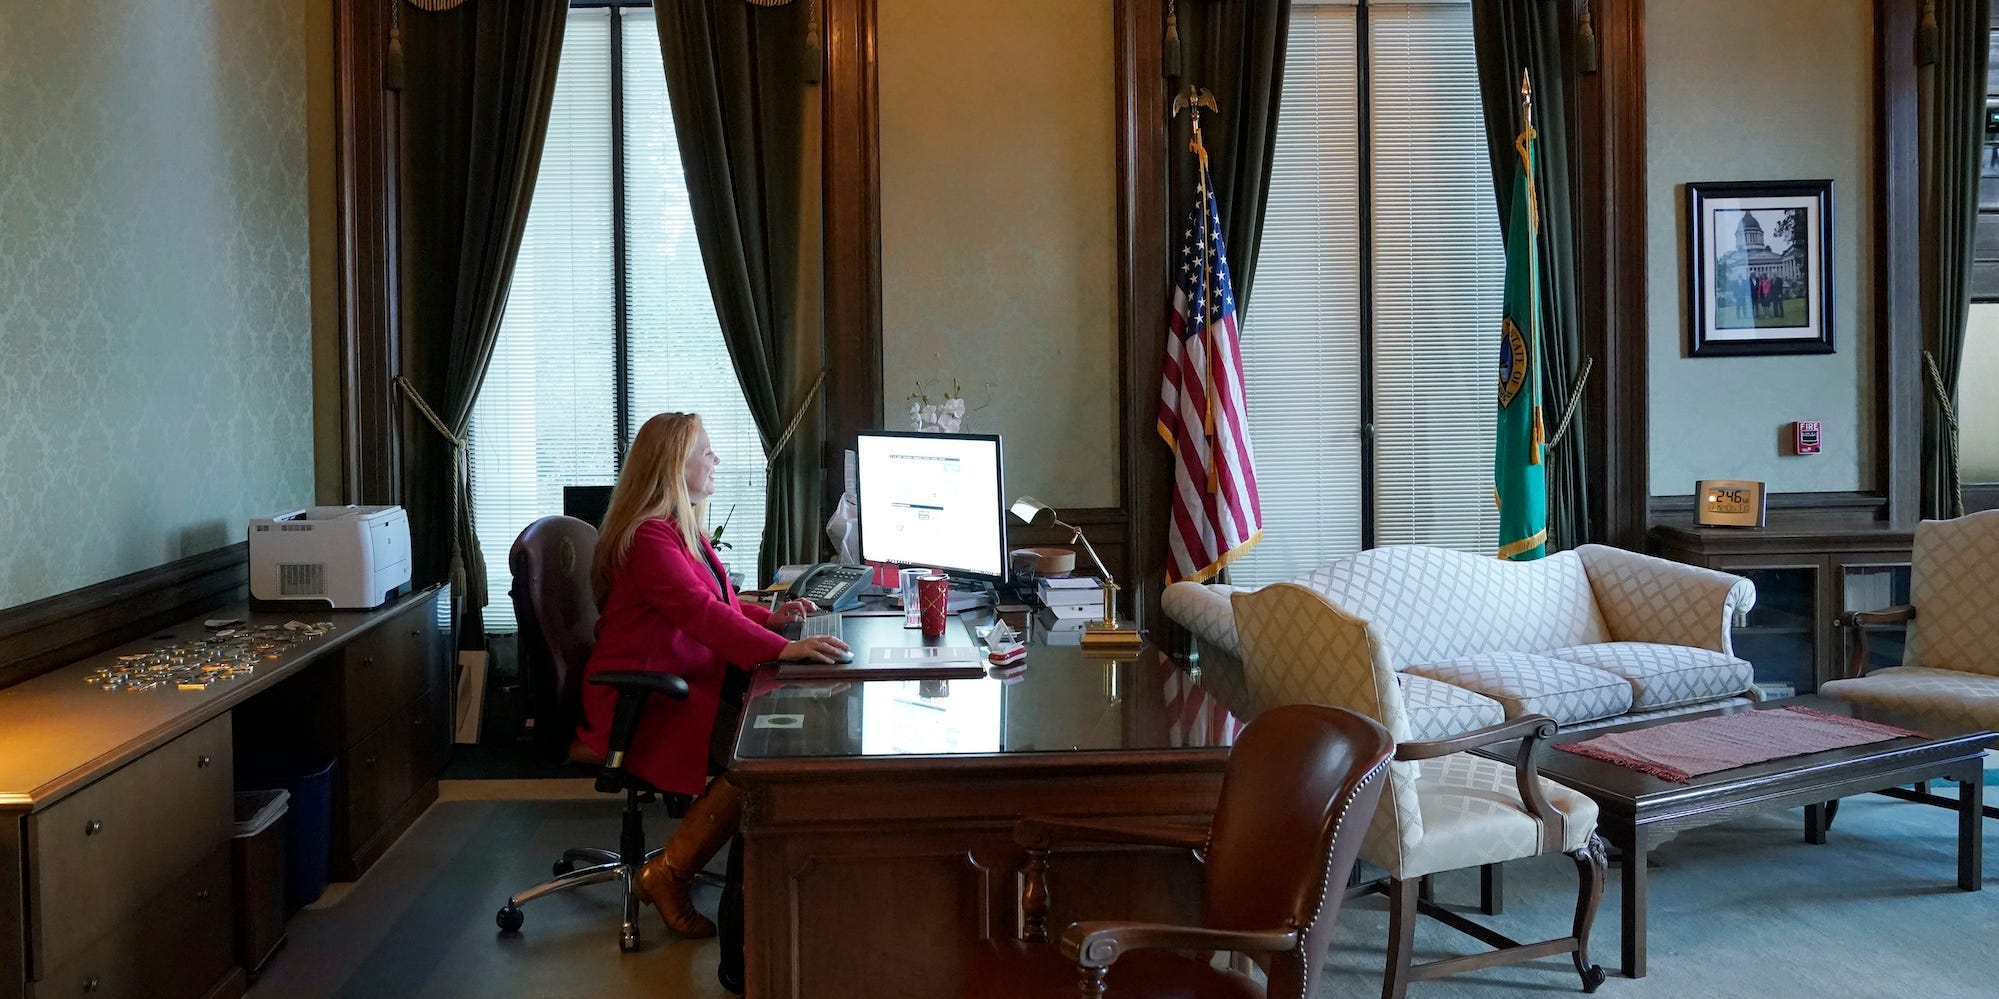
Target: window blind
679, 361
1301, 334
546, 414
1439, 272
544, 417
1436, 267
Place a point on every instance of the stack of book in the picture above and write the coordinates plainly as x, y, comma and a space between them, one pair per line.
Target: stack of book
1071, 598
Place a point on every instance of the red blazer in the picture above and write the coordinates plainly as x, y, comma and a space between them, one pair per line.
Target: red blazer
666, 612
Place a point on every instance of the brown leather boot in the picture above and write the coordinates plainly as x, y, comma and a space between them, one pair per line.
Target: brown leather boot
668, 879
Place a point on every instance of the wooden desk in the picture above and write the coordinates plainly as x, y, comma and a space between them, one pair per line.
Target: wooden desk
878, 822
116, 806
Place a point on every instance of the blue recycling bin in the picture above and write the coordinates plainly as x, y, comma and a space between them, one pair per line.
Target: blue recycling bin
309, 822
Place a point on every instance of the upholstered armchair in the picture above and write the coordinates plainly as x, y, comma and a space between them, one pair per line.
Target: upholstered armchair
1949, 677
1444, 808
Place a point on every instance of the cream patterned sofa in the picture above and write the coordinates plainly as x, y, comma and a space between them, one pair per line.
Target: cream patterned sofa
1588, 637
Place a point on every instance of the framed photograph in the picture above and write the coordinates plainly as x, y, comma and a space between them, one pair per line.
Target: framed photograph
1759, 267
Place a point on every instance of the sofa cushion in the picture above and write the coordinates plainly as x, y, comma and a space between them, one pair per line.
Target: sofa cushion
1431, 604
1439, 710
1663, 676
1526, 684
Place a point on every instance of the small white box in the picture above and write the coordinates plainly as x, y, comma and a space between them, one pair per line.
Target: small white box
344, 557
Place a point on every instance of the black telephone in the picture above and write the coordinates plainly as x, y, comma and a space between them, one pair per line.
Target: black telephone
833, 586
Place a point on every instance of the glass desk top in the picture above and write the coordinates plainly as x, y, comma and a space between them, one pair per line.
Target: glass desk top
1057, 700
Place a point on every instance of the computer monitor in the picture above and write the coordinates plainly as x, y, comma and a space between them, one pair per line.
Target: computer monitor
587, 503
932, 500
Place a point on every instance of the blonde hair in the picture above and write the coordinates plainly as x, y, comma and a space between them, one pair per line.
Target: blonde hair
653, 484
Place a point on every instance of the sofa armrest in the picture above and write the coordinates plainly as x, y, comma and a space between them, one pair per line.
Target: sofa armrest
1644, 598
1203, 609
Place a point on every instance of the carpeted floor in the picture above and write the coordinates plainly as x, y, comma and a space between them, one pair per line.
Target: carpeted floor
1745, 909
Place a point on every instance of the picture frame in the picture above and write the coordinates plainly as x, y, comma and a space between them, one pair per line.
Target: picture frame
1759, 267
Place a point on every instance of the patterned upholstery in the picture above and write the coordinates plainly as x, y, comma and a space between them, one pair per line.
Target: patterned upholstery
1648, 599
1439, 710
1954, 585
1665, 676
1456, 811
1943, 699
1472, 815
1640, 716
1431, 604
1527, 684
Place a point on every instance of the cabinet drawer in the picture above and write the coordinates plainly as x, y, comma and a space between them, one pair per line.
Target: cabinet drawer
387, 668
383, 770
175, 945
98, 855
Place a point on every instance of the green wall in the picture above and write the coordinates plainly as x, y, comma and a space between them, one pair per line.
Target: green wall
1771, 90
155, 283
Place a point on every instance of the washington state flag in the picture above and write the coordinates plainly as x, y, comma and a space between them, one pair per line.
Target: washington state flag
1519, 478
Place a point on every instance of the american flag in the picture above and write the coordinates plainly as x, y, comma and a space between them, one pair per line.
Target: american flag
1202, 414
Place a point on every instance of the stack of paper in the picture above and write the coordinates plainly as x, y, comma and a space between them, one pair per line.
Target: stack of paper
1071, 597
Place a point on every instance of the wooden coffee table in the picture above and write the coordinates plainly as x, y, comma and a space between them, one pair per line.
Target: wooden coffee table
1636, 810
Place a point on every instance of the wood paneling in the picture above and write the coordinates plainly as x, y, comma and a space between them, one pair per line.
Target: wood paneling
1898, 256
367, 153
851, 220
40, 636
1610, 231
1143, 296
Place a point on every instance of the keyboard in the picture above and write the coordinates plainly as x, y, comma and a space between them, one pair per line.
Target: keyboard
814, 625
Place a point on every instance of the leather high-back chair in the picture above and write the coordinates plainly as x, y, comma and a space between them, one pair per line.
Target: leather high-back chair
557, 618
1301, 786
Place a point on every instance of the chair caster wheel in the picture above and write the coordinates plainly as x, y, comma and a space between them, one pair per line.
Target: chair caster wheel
509, 919
628, 942
562, 867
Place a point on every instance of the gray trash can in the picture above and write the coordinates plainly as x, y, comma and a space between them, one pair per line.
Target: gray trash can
257, 852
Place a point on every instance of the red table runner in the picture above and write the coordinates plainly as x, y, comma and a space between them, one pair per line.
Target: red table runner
1681, 751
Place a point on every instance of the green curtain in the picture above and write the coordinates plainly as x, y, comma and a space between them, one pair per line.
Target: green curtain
1235, 49
1535, 35
1956, 135
737, 88
479, 80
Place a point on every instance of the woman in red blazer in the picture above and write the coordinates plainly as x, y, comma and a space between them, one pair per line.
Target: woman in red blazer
665, 604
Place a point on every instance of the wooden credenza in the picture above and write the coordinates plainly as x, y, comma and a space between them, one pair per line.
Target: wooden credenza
116, 806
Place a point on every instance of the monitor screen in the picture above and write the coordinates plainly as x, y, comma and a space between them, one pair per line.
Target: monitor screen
586, 503
932, 500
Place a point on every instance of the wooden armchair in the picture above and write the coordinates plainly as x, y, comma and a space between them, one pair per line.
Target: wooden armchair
1445, 808
1302, 783
1949, 677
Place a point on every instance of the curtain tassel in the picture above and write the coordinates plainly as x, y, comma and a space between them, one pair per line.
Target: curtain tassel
815, 55
1172, 61
1575, 397
392, 64
1950, 430
1586, 41
1926, 35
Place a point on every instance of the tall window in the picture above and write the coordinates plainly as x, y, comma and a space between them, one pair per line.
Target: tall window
1370, 346
609, 319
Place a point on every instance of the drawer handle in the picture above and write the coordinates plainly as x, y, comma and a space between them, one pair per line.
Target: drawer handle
201, 896
370, 761
90, 985
367, 661
93, 827
202, 761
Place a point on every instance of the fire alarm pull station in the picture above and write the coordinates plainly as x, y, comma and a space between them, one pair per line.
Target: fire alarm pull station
1805, 437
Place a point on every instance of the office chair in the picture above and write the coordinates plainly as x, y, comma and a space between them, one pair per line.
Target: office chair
557, 618
1301, 787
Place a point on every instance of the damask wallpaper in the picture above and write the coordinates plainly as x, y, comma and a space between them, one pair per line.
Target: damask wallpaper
155, 325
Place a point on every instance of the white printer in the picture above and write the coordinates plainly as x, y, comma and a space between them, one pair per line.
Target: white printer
334, 556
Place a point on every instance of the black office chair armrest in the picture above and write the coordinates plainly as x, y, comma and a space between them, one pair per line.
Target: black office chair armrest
634, 687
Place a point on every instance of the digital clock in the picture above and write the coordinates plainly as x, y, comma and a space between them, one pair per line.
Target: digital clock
1728, 503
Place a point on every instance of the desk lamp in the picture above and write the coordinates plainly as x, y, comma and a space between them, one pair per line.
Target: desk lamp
1108, 634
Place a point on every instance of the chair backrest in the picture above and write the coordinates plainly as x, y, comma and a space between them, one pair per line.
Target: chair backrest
557, 617
1298, 647
1954, 584
1432, 604
1301, 786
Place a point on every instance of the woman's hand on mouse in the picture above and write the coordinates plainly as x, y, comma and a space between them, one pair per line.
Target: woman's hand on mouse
817, 649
